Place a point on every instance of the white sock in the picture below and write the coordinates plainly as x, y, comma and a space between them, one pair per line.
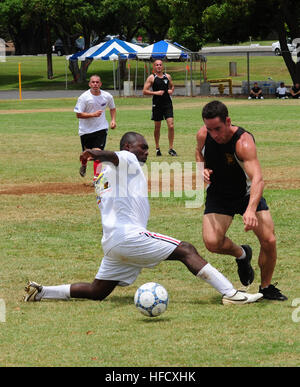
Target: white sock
60, 292
216, 279
243, 255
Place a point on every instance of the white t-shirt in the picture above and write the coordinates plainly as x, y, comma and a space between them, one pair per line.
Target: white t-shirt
88, 103
122, 197
281, 90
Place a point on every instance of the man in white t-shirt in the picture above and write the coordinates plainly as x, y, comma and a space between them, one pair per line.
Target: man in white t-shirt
122, 196
282, 91
93, 126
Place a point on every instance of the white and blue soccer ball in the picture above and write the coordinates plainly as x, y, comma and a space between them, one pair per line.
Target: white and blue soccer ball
151, 299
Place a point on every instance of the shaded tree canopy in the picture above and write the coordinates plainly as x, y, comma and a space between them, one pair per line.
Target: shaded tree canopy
34, 25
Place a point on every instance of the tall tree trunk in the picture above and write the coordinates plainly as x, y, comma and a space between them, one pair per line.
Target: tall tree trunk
287, 15
49, 66
49, 52
79, 73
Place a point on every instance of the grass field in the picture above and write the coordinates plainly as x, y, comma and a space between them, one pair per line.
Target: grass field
50, 232
34, 71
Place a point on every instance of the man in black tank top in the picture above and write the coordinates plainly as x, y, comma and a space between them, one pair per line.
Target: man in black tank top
162, 107
235, 186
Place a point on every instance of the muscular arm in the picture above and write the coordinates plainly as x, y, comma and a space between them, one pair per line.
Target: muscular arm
148, 84
201, 137
101, 155
246, 151
171, 84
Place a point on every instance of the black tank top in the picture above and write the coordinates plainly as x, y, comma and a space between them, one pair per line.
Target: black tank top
229, 179
161, 84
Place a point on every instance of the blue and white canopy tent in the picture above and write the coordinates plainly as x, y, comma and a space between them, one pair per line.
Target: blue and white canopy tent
110, 50
163, 50
114, 50
168, 51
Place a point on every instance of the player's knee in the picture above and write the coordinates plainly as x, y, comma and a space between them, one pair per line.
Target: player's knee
213, 245
268, 241
187, 247
187, 252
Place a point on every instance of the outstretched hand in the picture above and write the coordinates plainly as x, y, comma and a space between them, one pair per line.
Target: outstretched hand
86, 156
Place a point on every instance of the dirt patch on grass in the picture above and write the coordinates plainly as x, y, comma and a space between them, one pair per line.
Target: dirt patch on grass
47, 188
87, 187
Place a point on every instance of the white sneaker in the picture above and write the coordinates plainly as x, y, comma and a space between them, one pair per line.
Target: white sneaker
240, 298
31, 290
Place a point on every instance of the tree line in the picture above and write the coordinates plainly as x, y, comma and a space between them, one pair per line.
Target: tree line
34, 25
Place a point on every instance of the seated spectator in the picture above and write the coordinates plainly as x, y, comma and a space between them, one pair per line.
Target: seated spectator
256, 92
282, 91
295, 91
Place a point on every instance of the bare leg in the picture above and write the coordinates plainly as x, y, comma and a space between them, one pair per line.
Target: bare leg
170, 123
187, 254
97, 290
214, 230
157, 125
268, 252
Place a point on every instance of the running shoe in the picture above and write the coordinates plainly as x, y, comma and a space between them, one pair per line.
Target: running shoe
172, 152
241, 298
272, 293
158, 152
31, 290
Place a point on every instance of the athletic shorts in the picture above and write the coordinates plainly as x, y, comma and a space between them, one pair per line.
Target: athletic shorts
94, 140
162, 112
125, 261
231, 206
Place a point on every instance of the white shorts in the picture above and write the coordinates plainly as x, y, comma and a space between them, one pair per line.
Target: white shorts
142, 249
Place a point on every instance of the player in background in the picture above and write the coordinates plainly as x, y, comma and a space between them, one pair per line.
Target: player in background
93, 126
122, 195
162, 106
235, 186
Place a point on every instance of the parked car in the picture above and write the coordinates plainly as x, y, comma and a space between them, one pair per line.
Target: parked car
277, 49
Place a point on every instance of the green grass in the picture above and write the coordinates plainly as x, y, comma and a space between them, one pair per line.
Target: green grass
55, 238
34, 72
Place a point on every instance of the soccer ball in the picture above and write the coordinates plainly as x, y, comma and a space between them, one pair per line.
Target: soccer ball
151, 299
